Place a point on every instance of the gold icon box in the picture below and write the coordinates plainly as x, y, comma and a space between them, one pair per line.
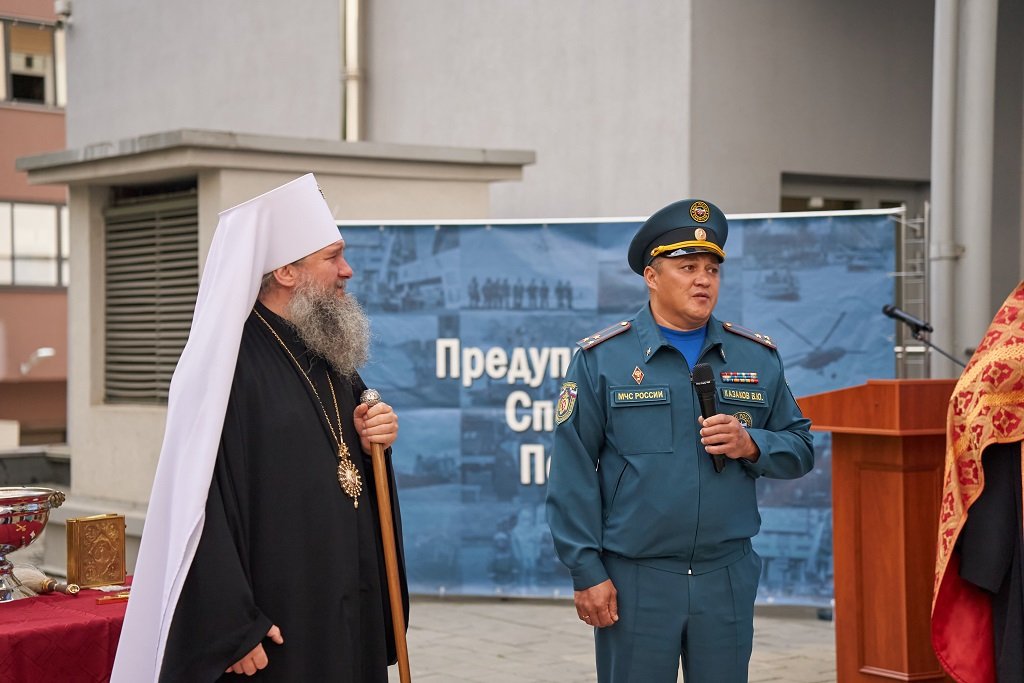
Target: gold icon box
96, 550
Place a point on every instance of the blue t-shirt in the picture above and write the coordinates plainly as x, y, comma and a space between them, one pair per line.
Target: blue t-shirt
687, 343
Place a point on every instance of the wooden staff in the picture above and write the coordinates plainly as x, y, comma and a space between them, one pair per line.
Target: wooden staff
370, 398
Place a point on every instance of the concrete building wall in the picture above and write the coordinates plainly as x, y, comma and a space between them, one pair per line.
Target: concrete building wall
29, 9
628, 105
140, 67
631, 106
31, 317
38, 408
809, 87
26, 130
1008, 159
600, 89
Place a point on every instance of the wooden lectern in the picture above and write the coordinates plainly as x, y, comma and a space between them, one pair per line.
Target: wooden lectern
888, 453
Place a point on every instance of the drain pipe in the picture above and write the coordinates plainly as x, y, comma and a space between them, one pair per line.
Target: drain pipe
351, 70
973, 175
943, 249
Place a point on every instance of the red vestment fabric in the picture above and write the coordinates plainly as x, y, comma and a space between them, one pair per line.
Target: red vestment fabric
987, 407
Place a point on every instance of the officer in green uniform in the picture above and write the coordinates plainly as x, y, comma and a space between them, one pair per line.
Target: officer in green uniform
656, 539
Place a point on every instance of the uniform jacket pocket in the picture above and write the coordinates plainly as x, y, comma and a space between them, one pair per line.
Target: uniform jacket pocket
641, 418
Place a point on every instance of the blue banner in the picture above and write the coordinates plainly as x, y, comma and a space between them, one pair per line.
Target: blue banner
474, 326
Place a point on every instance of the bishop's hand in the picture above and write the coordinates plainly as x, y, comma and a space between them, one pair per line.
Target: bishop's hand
257, 657
376, 424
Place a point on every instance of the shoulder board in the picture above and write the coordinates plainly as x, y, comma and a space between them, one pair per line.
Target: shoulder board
605, 334
750, 334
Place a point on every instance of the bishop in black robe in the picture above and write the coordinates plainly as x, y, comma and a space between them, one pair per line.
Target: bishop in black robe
282, 543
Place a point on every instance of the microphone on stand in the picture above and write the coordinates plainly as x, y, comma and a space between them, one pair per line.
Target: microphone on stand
915, 324
703, 379
917, 328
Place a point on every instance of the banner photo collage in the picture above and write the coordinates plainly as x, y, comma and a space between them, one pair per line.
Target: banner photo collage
474, 326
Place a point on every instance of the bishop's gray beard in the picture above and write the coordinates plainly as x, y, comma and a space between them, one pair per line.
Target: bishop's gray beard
331, 326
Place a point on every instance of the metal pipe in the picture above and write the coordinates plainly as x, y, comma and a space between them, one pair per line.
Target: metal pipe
973, 176
942, 249
351, 70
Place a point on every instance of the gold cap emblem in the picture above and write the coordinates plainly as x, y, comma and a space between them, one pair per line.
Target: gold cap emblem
700, 212
699, 234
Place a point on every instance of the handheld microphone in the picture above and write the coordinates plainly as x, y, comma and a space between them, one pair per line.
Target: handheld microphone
703, 379
897, 314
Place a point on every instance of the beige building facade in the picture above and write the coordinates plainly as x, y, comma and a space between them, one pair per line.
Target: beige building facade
33, 228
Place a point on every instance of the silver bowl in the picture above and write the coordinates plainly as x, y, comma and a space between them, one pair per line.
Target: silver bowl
23, 514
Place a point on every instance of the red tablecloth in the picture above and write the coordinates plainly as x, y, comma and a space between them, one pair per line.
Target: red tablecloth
59, 638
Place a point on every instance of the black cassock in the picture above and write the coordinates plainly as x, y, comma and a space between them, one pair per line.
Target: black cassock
282, 542
992, 554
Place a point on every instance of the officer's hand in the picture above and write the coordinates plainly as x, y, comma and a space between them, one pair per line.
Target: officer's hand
597, 606
257, 657
378, 424
724, 435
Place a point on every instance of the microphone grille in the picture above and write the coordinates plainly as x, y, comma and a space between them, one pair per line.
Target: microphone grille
702, 374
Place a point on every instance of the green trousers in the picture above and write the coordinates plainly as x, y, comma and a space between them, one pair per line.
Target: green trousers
707, 620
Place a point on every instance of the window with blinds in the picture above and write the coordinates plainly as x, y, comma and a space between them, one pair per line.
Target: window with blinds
152, 278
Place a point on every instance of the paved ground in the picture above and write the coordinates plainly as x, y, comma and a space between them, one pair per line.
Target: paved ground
458, 640
493, 641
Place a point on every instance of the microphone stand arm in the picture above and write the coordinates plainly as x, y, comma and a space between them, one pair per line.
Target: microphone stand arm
918, 334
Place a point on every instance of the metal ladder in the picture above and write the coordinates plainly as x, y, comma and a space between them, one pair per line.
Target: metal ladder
912, 357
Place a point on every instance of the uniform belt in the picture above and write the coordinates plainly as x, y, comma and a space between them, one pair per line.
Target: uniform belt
680, 565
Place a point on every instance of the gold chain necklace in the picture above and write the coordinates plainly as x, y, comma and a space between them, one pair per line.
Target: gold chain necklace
348, 476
